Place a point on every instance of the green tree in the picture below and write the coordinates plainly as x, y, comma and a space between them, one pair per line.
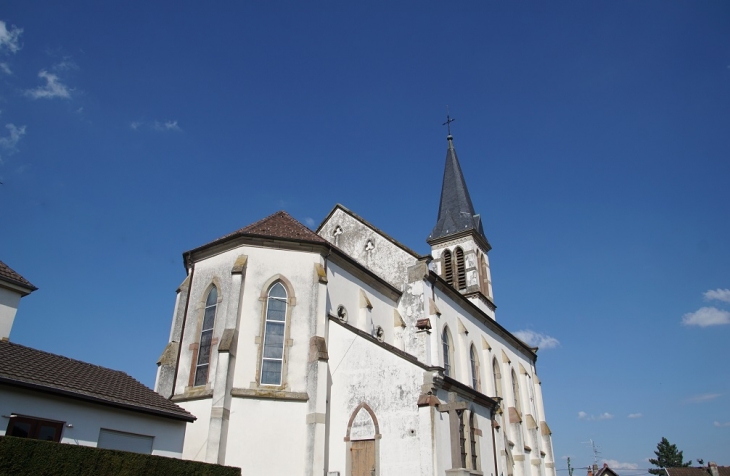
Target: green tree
667, 456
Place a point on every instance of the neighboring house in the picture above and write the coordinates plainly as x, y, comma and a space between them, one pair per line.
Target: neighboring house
604, 471
343, 352
51, 397
712, 469
12, 287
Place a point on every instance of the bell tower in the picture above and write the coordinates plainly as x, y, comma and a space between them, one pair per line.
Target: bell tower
458, 243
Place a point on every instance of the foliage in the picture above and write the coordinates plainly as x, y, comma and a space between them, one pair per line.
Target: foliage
22, 456
667, 456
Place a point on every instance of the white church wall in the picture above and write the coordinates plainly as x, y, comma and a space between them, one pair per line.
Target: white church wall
267, 436
368, 247
346, 290
86, 419
196, 434
363, 372
263, 265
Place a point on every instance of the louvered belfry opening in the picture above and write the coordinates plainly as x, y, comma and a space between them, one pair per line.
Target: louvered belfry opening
460, 269
448, 268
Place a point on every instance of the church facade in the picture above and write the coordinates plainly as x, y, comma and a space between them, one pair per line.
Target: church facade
342, 352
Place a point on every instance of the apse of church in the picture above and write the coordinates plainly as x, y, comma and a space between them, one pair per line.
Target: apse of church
343, 352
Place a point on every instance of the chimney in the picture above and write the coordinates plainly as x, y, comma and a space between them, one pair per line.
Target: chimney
713, 468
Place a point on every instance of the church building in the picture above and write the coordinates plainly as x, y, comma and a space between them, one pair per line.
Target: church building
342, 352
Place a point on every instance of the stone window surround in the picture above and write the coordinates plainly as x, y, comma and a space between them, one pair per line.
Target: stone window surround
195, 346
259, 339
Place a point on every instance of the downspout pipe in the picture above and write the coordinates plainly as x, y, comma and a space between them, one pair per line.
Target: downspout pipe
191, 272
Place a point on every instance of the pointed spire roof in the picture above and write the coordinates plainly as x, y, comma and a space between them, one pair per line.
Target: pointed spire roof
456, 212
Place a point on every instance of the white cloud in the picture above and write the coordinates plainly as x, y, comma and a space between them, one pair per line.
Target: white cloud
614, 464
166, 126
309, 222
587, 417
161, 126
635, 415
706, 397
52, 89
5, 68
706, 316
720, 425
10, 38
9, 144
535, 339
718, 295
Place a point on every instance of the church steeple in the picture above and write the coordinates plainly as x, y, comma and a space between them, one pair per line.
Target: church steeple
456, 212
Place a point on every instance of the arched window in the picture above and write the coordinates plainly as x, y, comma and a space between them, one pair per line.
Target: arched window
448, 268
448, 352
497, 375
516, 392
473, 441
274, 332
476, 382
206, 338
460, 269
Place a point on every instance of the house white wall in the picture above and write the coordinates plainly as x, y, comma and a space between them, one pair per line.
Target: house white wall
86, 419
9, 301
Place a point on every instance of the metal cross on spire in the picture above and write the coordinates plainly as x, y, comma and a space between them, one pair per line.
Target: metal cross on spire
448, 121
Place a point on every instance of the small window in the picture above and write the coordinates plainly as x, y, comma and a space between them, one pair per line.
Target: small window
30, 427
121, 440
516, 392
497, 375
473, 441
448, 353
274, 332
206, 338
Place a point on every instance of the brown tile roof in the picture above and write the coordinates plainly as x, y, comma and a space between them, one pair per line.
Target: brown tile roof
31, 368
278, 225
9, 275
701, 471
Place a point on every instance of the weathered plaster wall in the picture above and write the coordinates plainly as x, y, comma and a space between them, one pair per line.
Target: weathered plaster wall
363, 372
87, 419
368, 247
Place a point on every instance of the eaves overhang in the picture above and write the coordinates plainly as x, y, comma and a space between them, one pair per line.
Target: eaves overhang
187, 417
323, 248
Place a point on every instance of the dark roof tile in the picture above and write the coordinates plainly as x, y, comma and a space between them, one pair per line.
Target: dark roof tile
28, 367
9, 275
278, 225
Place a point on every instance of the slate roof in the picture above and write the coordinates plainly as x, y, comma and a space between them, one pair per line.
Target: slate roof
456, 212
278, 225
701, 471
9, 275
31, 368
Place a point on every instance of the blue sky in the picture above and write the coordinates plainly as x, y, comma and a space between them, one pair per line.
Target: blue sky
593, 135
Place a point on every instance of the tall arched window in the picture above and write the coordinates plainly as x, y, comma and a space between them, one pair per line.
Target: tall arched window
274, 332
476, 381
460, 269
516, 392
448, 268
473, 441
497, 375
206, 338
448, 352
